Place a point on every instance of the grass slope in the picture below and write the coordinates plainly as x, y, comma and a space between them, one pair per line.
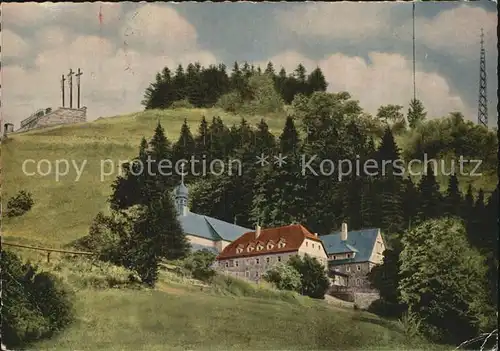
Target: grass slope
65, 207
232, 315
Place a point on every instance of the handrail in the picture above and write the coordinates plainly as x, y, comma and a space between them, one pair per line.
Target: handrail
49, 250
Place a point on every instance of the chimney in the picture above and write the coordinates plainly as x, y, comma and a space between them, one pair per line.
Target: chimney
257, 231
343, 233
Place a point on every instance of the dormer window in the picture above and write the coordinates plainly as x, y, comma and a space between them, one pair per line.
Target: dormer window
250, 248
348, 255
281, 243
270, 245
259, 247
239, 249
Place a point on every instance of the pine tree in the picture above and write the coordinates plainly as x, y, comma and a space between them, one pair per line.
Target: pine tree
453, 198
416, 113
411, 200
157, 178
430, 197
316, 81
202, 139
477, 228
129, 188
179, 84
270, 69
468, 205
185, 146
264, 139
289, 138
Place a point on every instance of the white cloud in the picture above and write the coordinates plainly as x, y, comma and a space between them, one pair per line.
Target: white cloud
455, 31
13, 46
336, 20
115, 76
386, 80
160, 28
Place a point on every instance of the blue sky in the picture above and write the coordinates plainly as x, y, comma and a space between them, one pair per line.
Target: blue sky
364, 48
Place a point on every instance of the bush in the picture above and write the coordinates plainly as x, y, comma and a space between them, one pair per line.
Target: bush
230, 102
386, 309
199, 264
182, 104
284, 277
19, 204
265, 98
314, 280
443, 281
35, 304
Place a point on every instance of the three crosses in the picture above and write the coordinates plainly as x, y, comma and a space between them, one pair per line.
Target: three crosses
70, 80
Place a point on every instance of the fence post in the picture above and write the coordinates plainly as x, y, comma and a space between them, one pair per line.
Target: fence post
48, 256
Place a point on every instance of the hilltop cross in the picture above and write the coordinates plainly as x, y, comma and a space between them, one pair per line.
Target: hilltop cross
62, 88
78, 86
70, 79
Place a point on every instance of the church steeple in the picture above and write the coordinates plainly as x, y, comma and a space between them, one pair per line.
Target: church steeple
181, 195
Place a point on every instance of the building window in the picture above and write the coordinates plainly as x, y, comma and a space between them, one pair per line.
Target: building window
347, 269
239, 250
358, 267
307, 243
270, 246
348, 255
256, 274
257, 261
334, 257
247, 274
227, 264
358, 282
259, 247
279, 258
268, 259
236, 263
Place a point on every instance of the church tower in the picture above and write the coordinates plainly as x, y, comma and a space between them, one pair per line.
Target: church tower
181, 195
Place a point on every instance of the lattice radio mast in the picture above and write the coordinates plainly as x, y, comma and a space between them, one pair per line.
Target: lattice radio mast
482, 112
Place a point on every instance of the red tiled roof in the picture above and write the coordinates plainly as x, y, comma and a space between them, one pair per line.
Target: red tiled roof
293, 235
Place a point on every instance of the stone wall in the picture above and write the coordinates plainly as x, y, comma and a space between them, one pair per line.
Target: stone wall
62, 115
357, 272
362, 299
253, 267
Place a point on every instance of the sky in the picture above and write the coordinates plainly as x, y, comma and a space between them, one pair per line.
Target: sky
362, 48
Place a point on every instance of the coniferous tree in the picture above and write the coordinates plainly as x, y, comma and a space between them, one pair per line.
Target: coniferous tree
158, 178
411, 200
416, 113
129, 188
430, 197
477, 228
179, 84
265, 141
453, 198
316, 81
270, 69
289, 138
185, 146
390, 186
468, 205
202, 139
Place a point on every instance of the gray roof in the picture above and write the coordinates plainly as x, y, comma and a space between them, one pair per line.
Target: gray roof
210, 228
359, 241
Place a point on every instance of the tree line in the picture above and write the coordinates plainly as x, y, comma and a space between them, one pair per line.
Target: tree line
204, 86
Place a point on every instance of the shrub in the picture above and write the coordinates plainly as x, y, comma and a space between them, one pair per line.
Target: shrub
182, 104
199, 264
443, 280
230, 102
284, 277
35, 304
19, 204
264, 97
314, 280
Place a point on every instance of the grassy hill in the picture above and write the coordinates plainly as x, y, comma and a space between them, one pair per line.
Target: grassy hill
65, 207
229, 314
